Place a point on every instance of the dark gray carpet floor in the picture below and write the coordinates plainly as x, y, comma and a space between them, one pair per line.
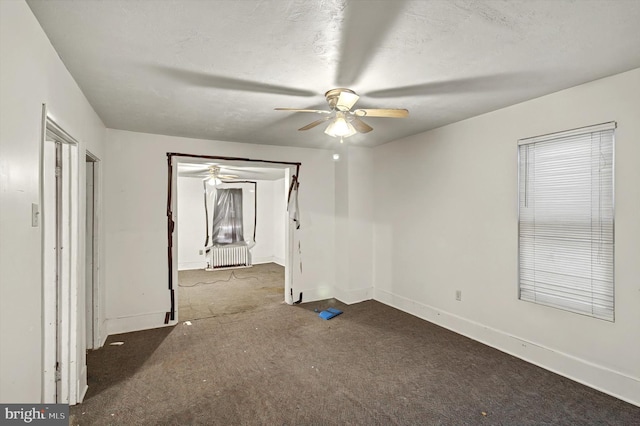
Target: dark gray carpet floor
372, 365
206, 294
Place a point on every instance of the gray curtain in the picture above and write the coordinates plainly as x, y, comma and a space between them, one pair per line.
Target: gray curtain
227, 216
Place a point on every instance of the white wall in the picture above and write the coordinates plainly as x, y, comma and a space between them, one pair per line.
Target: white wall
136, 242
446, 219
270, 223
279, 204
190, 221
361, 208
354, 224
31, 74
270, 218
262, 252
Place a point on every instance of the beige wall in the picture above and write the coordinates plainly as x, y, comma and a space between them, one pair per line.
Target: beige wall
446, 220
354, 224
31, 73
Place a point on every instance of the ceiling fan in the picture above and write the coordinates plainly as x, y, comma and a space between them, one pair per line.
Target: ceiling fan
215, 178
211, 174
345, 122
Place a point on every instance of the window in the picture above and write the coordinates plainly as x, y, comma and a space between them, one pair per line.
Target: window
566, 238
227, 216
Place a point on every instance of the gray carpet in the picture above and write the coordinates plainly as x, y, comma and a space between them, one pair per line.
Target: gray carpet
372, 365
205, 294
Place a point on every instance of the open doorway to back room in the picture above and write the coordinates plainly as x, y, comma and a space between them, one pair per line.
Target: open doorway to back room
231, 232
93, 296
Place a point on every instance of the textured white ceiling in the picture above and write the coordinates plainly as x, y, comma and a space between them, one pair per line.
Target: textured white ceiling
216, 69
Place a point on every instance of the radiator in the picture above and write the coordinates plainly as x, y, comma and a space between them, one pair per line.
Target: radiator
229, 256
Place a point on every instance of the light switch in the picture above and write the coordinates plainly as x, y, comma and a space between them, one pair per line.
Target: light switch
35, 213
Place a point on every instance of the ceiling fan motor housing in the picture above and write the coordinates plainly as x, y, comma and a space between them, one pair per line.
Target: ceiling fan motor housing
333, 95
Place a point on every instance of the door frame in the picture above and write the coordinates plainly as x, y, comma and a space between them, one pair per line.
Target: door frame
60, 267
93, 287
290, 168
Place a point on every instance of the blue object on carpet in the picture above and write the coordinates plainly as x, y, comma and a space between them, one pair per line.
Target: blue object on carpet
329, 313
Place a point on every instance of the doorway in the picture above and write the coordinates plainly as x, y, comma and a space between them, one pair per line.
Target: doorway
60, 207
253, 170
93, 296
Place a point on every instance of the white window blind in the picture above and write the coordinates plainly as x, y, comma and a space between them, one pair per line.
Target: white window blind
566, 217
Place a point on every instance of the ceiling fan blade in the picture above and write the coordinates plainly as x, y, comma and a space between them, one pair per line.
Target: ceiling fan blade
237, 169
204, 79
360, 125
319, 111
227, 176
392, 113
193, 174
193, 166
314, 124
365, 27
346, 100
476, 84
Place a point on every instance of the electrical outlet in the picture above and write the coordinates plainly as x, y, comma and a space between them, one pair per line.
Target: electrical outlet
201, 252
459, 295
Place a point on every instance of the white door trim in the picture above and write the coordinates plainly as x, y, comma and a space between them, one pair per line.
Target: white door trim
97, 295
60, 263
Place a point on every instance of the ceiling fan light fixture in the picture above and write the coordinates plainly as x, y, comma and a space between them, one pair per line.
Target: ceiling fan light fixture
343, 121
340, 127
214, 181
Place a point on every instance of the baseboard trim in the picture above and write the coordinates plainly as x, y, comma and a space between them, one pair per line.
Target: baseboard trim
348, 297
81, 394
82, 385
354, 296
611, 382
311, 295
137, 322
104, 334
267, 259
186, 266
261, 260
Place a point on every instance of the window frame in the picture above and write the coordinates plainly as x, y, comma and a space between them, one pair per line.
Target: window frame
602, 127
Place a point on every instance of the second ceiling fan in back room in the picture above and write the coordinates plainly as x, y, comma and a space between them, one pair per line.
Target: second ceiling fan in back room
209, 173
343, 122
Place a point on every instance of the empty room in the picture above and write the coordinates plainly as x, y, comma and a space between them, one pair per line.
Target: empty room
320, 212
